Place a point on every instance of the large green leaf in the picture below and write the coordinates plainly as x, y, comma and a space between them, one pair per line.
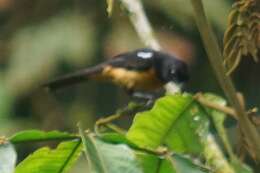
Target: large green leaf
108, 158
111, 154
7, 158
37, 135
177, 121
46, 160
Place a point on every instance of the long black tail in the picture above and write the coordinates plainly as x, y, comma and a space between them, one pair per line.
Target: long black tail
73, 78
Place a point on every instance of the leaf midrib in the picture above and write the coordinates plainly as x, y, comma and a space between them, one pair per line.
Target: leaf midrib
69, 157
174, 122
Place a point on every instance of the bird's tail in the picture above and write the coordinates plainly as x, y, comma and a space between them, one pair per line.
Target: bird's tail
74, 78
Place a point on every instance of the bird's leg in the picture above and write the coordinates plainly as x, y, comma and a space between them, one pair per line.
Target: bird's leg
149, 98
146, 97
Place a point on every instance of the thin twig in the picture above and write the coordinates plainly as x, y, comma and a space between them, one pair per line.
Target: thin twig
225, 109
129, 110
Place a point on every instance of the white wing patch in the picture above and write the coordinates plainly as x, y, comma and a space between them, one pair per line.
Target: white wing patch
145, 55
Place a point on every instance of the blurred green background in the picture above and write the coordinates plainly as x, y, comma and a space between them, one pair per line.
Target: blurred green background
42, 39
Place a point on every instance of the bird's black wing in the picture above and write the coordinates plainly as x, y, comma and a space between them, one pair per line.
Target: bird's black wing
140, 60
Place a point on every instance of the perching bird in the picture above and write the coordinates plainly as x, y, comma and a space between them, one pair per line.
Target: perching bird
142, 70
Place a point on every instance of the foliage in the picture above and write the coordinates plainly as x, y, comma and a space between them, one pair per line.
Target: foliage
176, 124
242, 35
52, 161
179, 134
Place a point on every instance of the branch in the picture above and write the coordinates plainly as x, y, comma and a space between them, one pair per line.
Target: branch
141, 23
225, 109
215, 57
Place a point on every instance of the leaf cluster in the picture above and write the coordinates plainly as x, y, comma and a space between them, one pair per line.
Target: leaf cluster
242, 35
174, 136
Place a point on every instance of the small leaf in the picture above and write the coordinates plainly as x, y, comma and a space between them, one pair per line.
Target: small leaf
37, 135
7, 158
46, 160
175, 121
108, 158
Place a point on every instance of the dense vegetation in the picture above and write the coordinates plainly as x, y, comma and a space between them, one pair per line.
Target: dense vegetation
181, 133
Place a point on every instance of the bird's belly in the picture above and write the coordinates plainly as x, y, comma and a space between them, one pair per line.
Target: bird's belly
136, 80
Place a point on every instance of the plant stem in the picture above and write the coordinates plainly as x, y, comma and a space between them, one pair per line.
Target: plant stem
215, 58
225, 109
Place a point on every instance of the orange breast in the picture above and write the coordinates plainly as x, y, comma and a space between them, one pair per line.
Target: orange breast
133, 79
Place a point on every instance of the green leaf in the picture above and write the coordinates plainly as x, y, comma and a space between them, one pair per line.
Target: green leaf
7, 158
154, 164
185, 165
109, 158
116, 138
176, 121
37, 135
175, 164
46, 160
218, 119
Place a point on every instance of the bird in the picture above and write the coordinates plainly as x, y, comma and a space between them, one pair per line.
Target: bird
139, 71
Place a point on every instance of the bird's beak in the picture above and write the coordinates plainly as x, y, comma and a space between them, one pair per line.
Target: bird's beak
173, 87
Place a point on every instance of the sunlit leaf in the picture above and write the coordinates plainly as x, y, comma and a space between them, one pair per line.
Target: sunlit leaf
37, 135
7, 158
46, 160
175, 121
